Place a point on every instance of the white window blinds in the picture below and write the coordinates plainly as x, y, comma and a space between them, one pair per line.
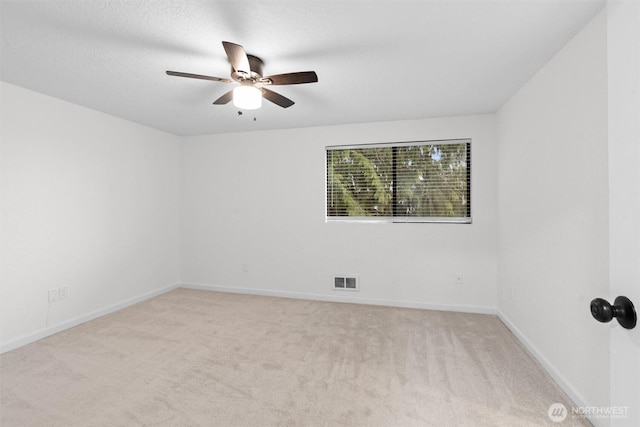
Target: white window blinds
426, 181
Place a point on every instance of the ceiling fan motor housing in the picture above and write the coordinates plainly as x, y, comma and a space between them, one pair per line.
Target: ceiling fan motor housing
256, 64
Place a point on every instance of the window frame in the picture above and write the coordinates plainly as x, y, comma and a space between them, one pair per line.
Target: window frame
401, 219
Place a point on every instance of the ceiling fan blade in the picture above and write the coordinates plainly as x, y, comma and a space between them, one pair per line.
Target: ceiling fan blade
198, 76
293, 78
224, 99
276, 98
237, 57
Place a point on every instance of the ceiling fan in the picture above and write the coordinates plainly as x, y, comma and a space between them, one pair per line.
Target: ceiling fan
247, 70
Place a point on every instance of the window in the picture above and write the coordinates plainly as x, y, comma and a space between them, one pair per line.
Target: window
427, 181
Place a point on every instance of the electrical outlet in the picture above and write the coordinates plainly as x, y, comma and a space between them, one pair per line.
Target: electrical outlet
63, 292
245, 267
54, 295
458, 278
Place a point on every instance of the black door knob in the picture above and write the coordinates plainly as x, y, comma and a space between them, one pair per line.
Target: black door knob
622, 309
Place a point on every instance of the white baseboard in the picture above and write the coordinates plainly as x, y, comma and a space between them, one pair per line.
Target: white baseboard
551, 369
59, 327
350, 298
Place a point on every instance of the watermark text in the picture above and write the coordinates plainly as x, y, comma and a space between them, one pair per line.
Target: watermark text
558, 412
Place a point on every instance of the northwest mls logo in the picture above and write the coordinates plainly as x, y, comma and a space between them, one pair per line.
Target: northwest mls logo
557, 412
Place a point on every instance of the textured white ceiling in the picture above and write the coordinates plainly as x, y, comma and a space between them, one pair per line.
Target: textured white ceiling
376, 60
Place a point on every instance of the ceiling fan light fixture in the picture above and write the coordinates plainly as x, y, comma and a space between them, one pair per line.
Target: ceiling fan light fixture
247, 70
247, 97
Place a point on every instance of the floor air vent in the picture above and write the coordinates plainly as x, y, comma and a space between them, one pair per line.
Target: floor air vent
345, 283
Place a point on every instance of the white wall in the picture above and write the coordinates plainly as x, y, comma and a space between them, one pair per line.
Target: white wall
257, 199
89, 201
553, 228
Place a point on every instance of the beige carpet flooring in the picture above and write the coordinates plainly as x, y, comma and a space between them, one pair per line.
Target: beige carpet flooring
199, 358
